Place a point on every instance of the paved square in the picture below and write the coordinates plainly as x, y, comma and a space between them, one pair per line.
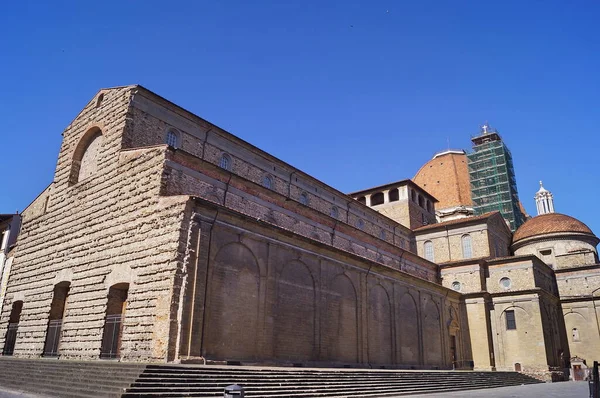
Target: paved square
547, 390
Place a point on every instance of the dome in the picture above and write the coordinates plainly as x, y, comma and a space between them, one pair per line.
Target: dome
548, 224
446, 177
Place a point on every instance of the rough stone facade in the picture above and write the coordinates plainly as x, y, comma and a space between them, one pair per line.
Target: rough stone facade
208, 247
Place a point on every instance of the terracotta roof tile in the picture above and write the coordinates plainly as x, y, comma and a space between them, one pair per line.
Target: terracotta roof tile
550, 223
447, 178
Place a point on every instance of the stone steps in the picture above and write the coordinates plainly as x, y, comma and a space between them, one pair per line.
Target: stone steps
198, 381
68, 379
78, 379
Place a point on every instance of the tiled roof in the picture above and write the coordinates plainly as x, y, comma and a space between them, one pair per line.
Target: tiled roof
550, 223
466, 220
447, 178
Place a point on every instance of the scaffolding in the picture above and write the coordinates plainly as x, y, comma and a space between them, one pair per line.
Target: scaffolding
492, 176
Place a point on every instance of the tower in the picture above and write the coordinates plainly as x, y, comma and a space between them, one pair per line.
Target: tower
544, 202
492, 177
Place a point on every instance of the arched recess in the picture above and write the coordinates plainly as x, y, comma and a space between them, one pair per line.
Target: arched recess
55, 318
13, 325
86, 154
408, 330
340, 331
232, 305
432, 335
295, 313
379, 326
112, 333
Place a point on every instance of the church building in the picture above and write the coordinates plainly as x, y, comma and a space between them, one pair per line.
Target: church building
164, 238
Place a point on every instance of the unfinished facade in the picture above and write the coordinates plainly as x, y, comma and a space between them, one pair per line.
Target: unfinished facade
165, 238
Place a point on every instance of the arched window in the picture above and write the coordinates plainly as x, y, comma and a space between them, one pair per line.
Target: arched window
85, 157
334, 213
466, 246
421, 202
99, 100
360, 224
428, 250
394, 195
413, 195
172, 138
225, 162
304, 198
362, 200
267, 182
377, 199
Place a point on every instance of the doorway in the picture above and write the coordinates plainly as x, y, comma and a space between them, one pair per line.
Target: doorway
113, 323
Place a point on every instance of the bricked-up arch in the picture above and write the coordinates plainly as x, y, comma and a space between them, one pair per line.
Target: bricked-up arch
113, 323
379, 326
340, 335
294, 332
13, 325
85, 157
432, 333
55, 318
232, 305
408, 330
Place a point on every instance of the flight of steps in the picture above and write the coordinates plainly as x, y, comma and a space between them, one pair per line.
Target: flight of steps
204, 381
68, 379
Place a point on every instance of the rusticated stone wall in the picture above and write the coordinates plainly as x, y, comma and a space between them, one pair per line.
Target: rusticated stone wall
111, 227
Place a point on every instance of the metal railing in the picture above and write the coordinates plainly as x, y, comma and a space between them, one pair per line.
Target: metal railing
112, 337
52, 338
11, 339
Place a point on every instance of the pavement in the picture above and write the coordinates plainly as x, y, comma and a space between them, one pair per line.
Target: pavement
566, 389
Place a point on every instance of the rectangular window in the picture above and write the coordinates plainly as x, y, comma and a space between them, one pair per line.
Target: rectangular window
511, 323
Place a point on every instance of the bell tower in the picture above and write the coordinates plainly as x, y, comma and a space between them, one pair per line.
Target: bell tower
544, 201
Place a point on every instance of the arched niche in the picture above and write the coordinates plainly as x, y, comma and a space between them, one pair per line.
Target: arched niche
379, 326
295, 313
232, 305
85, 157
340, 331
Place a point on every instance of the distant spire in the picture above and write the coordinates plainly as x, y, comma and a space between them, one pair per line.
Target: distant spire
544, 201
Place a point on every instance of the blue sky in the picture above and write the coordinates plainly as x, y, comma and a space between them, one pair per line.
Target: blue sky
355, 93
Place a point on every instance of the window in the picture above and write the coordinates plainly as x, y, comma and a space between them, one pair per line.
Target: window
99, 100
362, 200
360, 224
511, 323
304, 198
505, 283
267, 182
421, 201
575, 334
377, 199
466, 246
428, 250
173, 138
394, 195
382, 234
456, 286
225, 162
335, 213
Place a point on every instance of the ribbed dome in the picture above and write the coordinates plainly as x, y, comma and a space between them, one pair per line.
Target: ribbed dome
548, 224
446, 177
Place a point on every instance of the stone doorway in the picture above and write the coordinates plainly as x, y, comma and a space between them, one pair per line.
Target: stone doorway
13, 325
113, 323
55, 320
